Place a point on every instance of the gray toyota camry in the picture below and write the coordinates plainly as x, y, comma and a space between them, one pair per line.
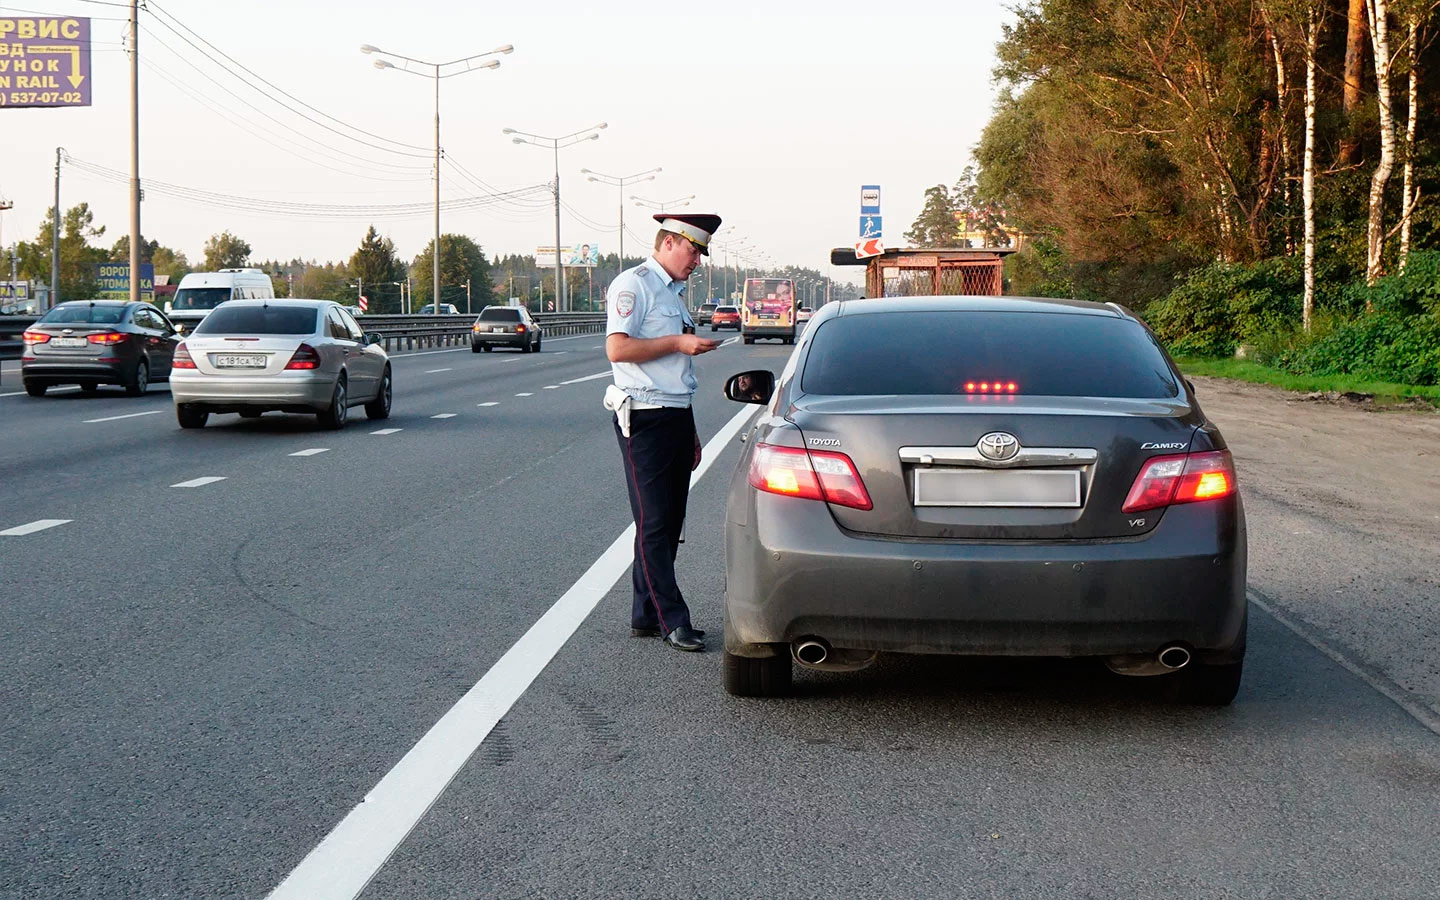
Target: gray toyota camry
988, 476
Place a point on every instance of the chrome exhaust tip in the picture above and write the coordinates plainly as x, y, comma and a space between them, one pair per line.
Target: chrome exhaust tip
812, 650
1173, 657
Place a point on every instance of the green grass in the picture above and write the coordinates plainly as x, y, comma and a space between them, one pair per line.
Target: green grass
1247, 370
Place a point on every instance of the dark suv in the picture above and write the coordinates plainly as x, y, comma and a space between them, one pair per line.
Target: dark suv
505, 326
95, 342
705, 313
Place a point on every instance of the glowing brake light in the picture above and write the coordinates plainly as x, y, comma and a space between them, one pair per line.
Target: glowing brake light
1187, 478
108, 337
306, 357
519, 329
182, 358
35, 337
809, 475
991, 387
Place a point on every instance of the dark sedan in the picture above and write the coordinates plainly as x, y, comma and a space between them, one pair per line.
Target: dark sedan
983, 476
95, 342
505, 326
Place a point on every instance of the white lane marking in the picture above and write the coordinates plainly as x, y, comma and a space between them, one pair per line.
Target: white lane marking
54, 390
1395, 693
561, 353
313, 451
605, 374
153, 412
598, 347
200, 482
387, 431
32, 527
444, 416
436, 371
350, 855
488, 403
525, 394
552, 387
513, 359
728, 342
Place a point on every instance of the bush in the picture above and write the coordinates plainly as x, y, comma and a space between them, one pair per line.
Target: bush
1222, 305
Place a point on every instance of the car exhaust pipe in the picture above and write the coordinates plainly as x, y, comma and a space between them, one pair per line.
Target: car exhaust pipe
1173, 657
812, 650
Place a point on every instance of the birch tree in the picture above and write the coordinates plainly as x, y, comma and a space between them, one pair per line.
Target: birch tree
1314, 22
1415, 42
1378, 11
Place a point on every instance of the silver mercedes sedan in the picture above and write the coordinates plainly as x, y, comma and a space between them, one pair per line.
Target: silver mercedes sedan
299, 356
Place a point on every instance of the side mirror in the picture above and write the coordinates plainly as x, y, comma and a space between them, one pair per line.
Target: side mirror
756, 386
1190, 384
169, 306
373, 337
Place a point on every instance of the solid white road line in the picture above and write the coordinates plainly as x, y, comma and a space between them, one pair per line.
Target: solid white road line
153, 412
313, 451
200, 482
606, 374
435, 371
350, 855
729, 341
444, 416
488, 403
525, 394
387, 431
31, 528
54, 390
552, 387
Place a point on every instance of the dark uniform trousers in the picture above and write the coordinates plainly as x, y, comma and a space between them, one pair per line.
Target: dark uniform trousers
658, 457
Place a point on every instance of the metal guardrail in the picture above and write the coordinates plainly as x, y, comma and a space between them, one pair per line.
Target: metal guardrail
399, 332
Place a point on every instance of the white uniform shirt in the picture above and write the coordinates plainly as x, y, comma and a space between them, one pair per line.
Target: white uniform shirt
645, 302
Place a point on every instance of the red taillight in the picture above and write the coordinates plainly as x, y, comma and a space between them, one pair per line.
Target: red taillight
182, 359
812, 475
306, 357
1167, 480
107, 337
35, 337
519, 329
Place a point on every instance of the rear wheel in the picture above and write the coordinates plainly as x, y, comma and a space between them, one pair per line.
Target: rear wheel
36, 388
749, 340
250, 414
764, 677
334, 417
190, 417
713, 329
485, 347
138, 382
89, 387
379, 408
474, 348
537, 345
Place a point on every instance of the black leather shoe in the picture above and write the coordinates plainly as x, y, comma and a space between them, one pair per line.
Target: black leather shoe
687, 639
654, 631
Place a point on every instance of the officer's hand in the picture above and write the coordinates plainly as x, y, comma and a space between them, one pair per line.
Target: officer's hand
694, 344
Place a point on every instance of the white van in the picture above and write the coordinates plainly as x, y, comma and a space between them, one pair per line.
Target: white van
200, 292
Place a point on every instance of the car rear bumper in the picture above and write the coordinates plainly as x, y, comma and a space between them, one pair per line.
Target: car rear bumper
723, 324
762, 331
792, 572
219, 393
76, 369
500, 340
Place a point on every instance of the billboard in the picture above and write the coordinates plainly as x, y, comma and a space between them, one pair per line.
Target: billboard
44, 61
113, 280
575, 256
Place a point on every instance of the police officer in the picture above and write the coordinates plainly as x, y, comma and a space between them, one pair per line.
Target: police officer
650, 339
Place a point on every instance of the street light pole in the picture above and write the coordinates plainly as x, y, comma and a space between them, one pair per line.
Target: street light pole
620, 181
437, 75
555, 143
134, 152
662, 206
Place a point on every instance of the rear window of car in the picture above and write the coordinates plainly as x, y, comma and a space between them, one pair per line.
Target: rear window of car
707, 307
499, 314
84, 314
260, 320
728, 309
941, 352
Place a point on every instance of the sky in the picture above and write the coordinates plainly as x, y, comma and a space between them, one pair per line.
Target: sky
772, 114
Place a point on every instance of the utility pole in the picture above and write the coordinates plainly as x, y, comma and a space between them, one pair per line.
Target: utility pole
134, 151
467, 296
55, 237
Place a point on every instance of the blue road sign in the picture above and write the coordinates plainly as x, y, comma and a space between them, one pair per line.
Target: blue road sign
870, 200
870, 226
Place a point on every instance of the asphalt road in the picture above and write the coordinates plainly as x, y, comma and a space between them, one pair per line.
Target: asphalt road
201, 682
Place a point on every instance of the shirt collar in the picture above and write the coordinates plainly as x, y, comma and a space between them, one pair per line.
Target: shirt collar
653, 265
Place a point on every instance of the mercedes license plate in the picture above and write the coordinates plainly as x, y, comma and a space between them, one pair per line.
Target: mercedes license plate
997, 487
67, 342
239, 361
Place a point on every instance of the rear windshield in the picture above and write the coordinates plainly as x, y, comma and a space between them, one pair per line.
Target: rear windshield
259, 320
84, 314
728, 309
708, 307
499, 314
1043, 354
200, 298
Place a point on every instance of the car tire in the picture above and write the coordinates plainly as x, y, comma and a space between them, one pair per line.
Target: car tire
379, 408
537, 345
746, 676
485, 347
138, 382
89, 387
713, 329
334, 417
749, 340
250, 413
474, 348
190, 417
36, 388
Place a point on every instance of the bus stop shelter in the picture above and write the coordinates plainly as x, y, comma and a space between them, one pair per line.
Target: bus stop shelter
929, 272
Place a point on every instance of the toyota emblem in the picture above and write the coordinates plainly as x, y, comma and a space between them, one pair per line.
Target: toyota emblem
999, 446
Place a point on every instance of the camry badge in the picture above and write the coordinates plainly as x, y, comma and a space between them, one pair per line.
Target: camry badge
999, 446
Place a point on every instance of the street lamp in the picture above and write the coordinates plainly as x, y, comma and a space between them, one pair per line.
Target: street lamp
620, 181
470, 66
662, 205
555, 143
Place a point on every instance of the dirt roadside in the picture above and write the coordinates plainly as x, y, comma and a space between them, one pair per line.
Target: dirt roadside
1343, 506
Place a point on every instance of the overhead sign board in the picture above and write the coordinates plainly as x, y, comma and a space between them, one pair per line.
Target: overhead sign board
870, 199
114, 281
574, 256
44, 61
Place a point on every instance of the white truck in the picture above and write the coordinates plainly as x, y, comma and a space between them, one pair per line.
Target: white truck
200, 292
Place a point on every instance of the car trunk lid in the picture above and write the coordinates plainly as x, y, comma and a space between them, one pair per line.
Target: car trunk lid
242, 356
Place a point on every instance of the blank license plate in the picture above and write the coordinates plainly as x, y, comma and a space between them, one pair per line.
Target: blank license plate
997, 487
67, 342
240, 361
